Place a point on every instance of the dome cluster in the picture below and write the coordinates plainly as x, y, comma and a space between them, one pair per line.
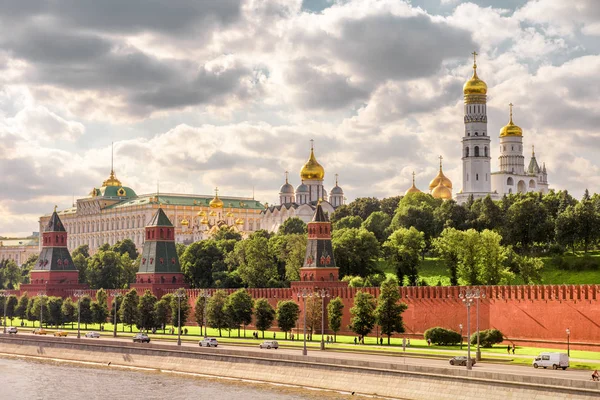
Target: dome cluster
440, 187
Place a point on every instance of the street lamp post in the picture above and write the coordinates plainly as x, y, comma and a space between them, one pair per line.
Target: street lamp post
115, 296
323, 294
179, 294
206, 295
79, 294
461, 335
474, 293
41, 295
468, 302
4, 296
568, 342
303, 294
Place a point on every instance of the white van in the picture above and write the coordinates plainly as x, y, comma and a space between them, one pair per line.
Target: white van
554, 360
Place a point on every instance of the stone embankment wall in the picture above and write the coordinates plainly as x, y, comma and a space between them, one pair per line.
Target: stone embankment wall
373, 378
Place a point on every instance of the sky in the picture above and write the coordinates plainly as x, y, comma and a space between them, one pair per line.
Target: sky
197, 94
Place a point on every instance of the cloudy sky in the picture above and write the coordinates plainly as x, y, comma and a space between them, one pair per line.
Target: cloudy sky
228, 93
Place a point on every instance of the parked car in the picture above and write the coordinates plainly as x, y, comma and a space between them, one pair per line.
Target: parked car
554, 360
141, 338
208, 342
92, 335
61, 333
461, 360
269, 344
40, 331
11, 329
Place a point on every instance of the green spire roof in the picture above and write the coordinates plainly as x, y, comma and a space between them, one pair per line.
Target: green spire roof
160, 219
319, 214
54, 224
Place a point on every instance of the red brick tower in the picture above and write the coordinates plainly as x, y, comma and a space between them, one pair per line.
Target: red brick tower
54, 273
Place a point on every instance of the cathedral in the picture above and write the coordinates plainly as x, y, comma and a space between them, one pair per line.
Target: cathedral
302, 202
477, 178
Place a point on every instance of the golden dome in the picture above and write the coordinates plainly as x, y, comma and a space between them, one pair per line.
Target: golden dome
239, 221
212, 214
201, 214
112, 180
184, 222
216, 202
475, 85
312, 170
413, 188
511, 129
229, 214
204, 221
440, 178
441, 192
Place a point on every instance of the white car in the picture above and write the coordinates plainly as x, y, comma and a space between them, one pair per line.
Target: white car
92, 335
11, 330
208, 342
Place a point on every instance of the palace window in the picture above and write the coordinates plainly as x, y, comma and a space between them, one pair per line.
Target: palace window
476, 149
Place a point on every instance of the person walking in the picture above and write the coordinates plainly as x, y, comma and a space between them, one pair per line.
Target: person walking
513, 348
354, 340
595, 376
508, 349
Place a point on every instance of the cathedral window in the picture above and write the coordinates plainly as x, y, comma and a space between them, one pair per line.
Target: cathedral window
476, 177
476, 151
510, 181
469, 134
512, 148
466, 152
483, 133
476, 133
485, 151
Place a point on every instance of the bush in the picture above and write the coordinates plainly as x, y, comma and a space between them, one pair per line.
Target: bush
442, 336
487, 338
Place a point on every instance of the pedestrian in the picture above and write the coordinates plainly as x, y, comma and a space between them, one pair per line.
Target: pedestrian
508, 349
408, 342
428, 342
274, 335
185, 331
513, 348
381, 340
355, 340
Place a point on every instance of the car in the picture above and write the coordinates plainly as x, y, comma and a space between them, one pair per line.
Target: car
208, 342
461, 360
269, 344
40, 331
554, 360
141, 338
92, 335
11, 330
61, 333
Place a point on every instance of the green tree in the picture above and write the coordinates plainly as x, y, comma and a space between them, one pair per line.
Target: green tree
351, 221
491, 259
486, 214
200, 260
69, 311
378, 223
38, 306
447, 247
117, 301
162, 313
180, 249
527, 223
199, 311
468, 257
313, 309
363, 207
105, 270
239, 307
566, 228
81, 263
22, 306
256, 267
84, 250
85, 310
11, 307
227, 233
126, 246
291, 226
417, 211
588, 223
355, 251
128, 312
289, 251
530, 269
389, 309
180, 305
287, 314
339, 213
450, 215
55, 315
265, 314
403, 249
129, 268
216, 315
362, 314
335, 312
146, 316
390, 204
10, 276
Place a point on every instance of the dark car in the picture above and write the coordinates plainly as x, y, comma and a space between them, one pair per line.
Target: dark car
141, 338
461, 360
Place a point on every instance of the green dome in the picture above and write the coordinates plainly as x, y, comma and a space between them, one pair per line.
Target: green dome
121, 192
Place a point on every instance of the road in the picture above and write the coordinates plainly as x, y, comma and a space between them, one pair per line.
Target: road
482, 366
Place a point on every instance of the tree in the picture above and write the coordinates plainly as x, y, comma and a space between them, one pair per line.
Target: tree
390, 204
488, 337
239, 308
389, 310
363, 207
85, 310
126, 246
417, 211
105, 270
403, 249
527, 223
378, 223
146, 316
566, 228
486, 214
227, 233
291, 226
129, 268
355, 251
492, 257
287, 314
450, 215
162, 313
442, 336
289, 251
335, 312
468, 257
447, 247
11, 307
588, 222
199, 314
254, 264
313, 314
351, 221
84, 250
128, 312
339, 213
55, 315
200, 260
22, 306
117, 301
216, 316
362, 314
180, 307
265, 314
81, 263
10, 276
530, 269
69, 311
38, 306
100, 307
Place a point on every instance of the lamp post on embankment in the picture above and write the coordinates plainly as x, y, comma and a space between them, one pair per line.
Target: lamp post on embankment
179, 294
205, 294
474, 293
568, 342
468, 302
303, 294
323, 294
4, 297
79, 294
41, 295
461, 335
115, 296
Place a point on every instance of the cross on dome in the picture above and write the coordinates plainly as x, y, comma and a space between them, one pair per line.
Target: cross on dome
510, 106
475, 54
441, 158
286, 177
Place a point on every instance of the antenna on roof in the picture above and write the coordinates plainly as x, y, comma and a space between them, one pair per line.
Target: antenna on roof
73, 199
252, 192
112, 157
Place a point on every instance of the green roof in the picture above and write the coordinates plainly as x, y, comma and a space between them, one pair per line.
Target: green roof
20, 242
118, 192
54, 224
159, 257
190, 200
160, 219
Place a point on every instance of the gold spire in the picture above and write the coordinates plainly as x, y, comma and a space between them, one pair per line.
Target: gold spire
532, 150
475, 85
312, 170
216, 202
112, 179
440, 178
413, 188
286, 177
511, 129
55, 207
336, 179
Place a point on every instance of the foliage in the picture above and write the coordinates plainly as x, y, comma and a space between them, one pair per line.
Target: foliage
487, 338
529, 269
162, 313
128, 312
265, 314
351, 221
105, 270
287, 314
22, 306
363, 207
447, 245
442, 337
253, 261
85, 310
389, 309
289, 251
355, 251
335, 312
389, 205
100, 307
55, 315
403, 249
11, 306
291, 226
10, 274
313, 309
146, 316
227, 233
38, 307
126, 246
200, 261
180, 308
239, 308
199, 311
216, 315
69, 311
363, 314
378, 223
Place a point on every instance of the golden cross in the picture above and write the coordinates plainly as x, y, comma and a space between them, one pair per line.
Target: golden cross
286, 177
312, 144
441, 158
336, 179
55, 207
474, 58
510, 106
217, 192
413, 174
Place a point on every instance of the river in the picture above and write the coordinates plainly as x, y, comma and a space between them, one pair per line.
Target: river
25, 379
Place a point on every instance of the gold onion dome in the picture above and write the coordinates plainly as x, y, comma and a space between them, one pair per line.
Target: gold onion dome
511, 129
216, 202
440, 178
239, 221
441, 192
204, 221
475, 85
312, 170
112, 180
213, 214
413, 188
201, 214
229, 214
184, 222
